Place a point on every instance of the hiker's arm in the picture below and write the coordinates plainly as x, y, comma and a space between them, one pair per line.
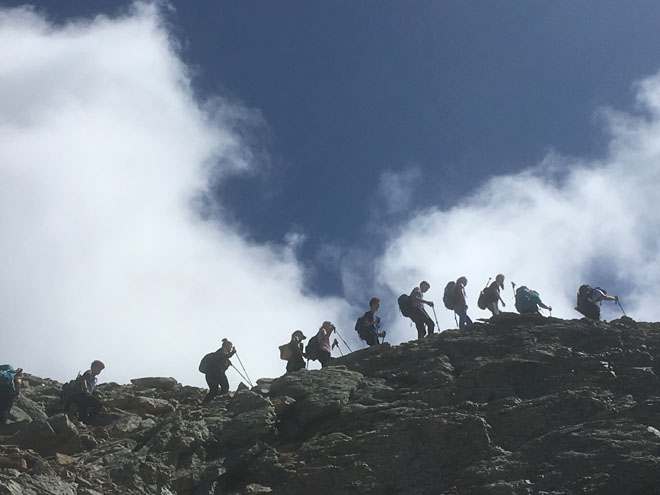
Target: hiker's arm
500, 298
610, 298
549, 308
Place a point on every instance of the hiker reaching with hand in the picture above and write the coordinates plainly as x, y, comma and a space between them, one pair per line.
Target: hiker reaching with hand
10, 389
368, 325
214, 365
418, 314
296, 356
528, 301
589, 301
324, 346
493, 295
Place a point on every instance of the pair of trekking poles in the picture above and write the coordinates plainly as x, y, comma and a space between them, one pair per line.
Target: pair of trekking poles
245, 377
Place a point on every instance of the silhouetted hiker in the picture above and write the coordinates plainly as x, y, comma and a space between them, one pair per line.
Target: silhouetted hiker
214, 365
368, 324
461, 307
589, 300
10, 389
324, 346
528, 301
87, 404
418, 314
293, 353
491, 296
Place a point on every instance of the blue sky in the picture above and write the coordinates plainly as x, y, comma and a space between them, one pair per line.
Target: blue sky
462, 90
347, 129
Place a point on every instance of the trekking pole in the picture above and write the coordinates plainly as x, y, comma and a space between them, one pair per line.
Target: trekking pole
342, 339
437, 325
513, 289
240, 374
244, 370
619, 303
340, 351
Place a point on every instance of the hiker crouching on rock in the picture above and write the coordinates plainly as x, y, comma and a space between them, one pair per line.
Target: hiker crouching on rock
296, 360
10, 389
461, 306
325, 348
589, 301
528, 301
418, 314
369, 323
87, 404
214, 366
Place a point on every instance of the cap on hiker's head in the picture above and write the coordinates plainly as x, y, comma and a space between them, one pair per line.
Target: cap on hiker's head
299, 334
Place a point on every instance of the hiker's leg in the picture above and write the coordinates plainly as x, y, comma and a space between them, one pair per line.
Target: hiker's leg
213, 383
418, 319
429, 322
324, 358
6, 403
461, 311
224, 383
493, 308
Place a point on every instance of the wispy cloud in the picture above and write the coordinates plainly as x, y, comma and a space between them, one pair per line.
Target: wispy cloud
103, 151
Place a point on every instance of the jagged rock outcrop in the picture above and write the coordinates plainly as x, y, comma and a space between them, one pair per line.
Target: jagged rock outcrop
513, 405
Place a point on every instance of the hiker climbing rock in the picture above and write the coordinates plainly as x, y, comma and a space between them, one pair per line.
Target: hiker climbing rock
87, 404
491, 296
292, 352
214, 365
528, 301
589, 301
10, 389
323, 340
417, 313
367, 326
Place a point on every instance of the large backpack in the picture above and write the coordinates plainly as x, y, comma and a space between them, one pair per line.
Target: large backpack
584, 303
405, 305
525, 300
206, 363
312, 350
450, 296
484, 299
285, 352
359, 324
7, 375
70, 390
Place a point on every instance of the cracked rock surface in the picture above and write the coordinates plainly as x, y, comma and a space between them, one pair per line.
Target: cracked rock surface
515, 405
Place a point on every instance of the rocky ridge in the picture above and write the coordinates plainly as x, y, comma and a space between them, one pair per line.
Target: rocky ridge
517, 404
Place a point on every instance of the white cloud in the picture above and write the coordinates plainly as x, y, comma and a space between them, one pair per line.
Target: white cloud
553, 227
103, 150
396, 189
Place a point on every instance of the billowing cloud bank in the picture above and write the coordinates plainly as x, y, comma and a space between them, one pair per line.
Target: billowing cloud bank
103, 150
551, 228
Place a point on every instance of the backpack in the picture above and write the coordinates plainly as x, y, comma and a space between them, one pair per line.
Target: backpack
312, 350
71, 389
525, 300
483, 300
285, 352
405, 305
359, 324
584, 303
206, 363
7, 375
450, 296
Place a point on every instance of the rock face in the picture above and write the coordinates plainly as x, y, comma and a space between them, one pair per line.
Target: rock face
519, 405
